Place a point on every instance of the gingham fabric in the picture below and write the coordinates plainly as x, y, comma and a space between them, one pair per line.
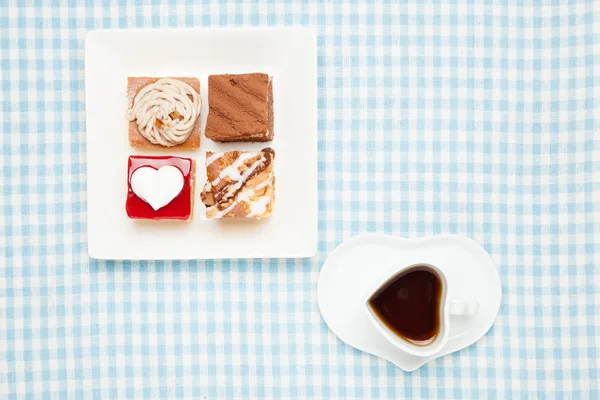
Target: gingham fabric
465, 118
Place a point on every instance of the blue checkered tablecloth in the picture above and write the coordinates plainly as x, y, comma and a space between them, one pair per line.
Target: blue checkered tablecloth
467, 118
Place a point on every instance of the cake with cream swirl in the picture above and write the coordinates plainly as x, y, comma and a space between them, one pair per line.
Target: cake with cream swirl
164, 112
240, 184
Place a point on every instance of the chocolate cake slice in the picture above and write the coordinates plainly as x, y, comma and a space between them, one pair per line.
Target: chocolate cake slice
240, 108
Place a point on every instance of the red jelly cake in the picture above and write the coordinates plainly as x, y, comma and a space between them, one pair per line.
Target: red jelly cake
160, 187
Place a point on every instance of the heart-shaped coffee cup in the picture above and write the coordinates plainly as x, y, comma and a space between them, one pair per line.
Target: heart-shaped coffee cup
447, 308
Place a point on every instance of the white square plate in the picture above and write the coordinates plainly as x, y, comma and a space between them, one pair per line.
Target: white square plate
288, 55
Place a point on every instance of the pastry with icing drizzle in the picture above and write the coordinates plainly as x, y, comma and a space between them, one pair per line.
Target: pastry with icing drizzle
240, 184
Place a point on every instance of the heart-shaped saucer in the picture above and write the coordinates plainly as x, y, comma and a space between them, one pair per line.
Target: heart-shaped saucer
354, 267
157, 187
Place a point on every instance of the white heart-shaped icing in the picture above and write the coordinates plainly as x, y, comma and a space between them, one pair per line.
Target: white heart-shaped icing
157, 187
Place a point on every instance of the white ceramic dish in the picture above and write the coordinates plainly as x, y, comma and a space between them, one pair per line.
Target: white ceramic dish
287, 54
353, 268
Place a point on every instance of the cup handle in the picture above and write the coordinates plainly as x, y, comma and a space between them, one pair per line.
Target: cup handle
460, 307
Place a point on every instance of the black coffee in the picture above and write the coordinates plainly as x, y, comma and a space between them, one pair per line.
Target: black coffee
409, 304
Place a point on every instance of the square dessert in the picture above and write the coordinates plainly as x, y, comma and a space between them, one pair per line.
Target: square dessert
160, 187
240, 108
163, 112
240, 184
